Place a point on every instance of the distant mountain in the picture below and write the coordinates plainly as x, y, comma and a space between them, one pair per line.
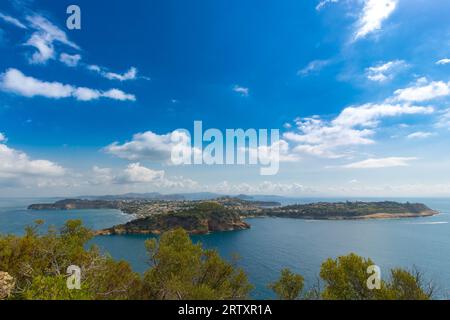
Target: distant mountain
194, 196
135, 196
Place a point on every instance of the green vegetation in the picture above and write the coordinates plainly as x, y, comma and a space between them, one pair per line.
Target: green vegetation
203, 217
289, 286
346, 277
350, 210
183, 270
34, 267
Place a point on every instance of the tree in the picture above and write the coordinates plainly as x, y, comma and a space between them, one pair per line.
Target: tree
39, 263
289, 286
54, 288
346, 279
183, 270
405, 285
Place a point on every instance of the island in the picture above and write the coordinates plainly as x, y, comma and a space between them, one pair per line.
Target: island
228, 213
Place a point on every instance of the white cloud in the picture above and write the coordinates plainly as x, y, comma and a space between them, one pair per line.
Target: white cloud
2, 137
147, 145
86, 94
352, 127
443, 61
241, 90
369, 114
131, 74
12, 21
278, 151
419, 135
44, 37
16, 82
324, 3
320, 138
94, 67
444, 119
385, 71
45, 49
135, 173
70, 60
313, 66
117, 94
381, 163
373, 15
17, 165
50, 31
423, 91
101, 176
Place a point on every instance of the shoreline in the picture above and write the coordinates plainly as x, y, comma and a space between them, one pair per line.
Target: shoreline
373, 216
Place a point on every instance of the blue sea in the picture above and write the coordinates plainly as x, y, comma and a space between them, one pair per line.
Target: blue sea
275, 243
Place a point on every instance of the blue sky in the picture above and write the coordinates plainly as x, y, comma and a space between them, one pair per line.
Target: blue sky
359, 89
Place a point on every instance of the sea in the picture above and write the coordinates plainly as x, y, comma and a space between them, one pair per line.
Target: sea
272, 244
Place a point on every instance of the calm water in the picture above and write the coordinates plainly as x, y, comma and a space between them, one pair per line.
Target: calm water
275, 243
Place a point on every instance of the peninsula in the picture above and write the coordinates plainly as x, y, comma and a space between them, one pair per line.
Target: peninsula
228, 213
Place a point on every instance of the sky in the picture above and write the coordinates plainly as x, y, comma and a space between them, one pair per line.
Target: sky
359, 89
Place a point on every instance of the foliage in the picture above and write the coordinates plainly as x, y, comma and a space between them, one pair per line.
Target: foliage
289, 286
183, 270
346, 209
346, 279
39, 263
36, 265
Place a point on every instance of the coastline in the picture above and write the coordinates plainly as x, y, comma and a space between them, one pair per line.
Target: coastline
373, 216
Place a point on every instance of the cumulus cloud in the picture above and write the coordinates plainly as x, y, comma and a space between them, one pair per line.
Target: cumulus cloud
117, 94
12, 20
2, 137
385, 71
381, 163
374, 13
70, 60
16, 82
148, 146
352, 127
44, 38
137, 174
422, 91
16, 166
313, 66
243, 91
